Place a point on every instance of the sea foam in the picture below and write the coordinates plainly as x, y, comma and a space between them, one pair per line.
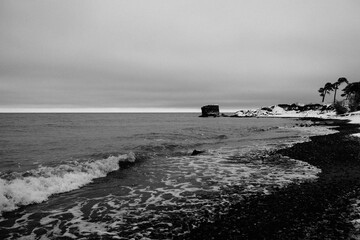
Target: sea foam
37, 185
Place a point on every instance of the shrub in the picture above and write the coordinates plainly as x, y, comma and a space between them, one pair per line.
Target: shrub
354, 102
340, 107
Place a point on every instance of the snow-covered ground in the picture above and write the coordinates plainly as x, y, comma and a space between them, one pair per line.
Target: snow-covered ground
354, 117
318, 111
279, 112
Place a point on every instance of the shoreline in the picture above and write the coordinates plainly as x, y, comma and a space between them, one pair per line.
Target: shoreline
321, 209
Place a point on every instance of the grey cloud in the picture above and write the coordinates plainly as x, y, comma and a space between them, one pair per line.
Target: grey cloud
174, 53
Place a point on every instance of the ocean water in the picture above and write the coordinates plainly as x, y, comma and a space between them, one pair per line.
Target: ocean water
132, 176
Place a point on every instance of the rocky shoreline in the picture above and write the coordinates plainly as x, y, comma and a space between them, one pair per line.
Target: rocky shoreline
288, 110
279, 110
322, 209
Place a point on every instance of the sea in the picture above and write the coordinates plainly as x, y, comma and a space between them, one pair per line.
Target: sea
135, 175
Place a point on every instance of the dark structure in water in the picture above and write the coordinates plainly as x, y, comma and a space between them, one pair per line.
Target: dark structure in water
197, 152
210, 111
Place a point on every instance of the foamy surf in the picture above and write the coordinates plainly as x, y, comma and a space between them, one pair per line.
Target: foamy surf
37, 185
317, 130
170, 200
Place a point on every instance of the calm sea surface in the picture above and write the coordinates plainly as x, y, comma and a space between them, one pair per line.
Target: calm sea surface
123, 176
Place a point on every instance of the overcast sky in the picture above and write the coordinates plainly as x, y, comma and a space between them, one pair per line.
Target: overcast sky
174, 54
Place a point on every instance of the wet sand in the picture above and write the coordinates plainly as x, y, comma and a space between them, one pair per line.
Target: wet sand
321, 209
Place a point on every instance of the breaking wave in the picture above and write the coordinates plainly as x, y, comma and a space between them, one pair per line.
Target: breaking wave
35, 186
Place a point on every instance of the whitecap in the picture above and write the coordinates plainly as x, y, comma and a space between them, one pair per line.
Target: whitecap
37, 185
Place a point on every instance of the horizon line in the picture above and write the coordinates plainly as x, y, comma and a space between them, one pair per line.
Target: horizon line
106, 110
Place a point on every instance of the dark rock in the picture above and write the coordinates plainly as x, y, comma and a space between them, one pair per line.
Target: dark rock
330, 108
304, 124
294, 107
125, 165
210, 111
269, 109
222, 137
327, 108
313, 107
307, 107
40, 231
197, 152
